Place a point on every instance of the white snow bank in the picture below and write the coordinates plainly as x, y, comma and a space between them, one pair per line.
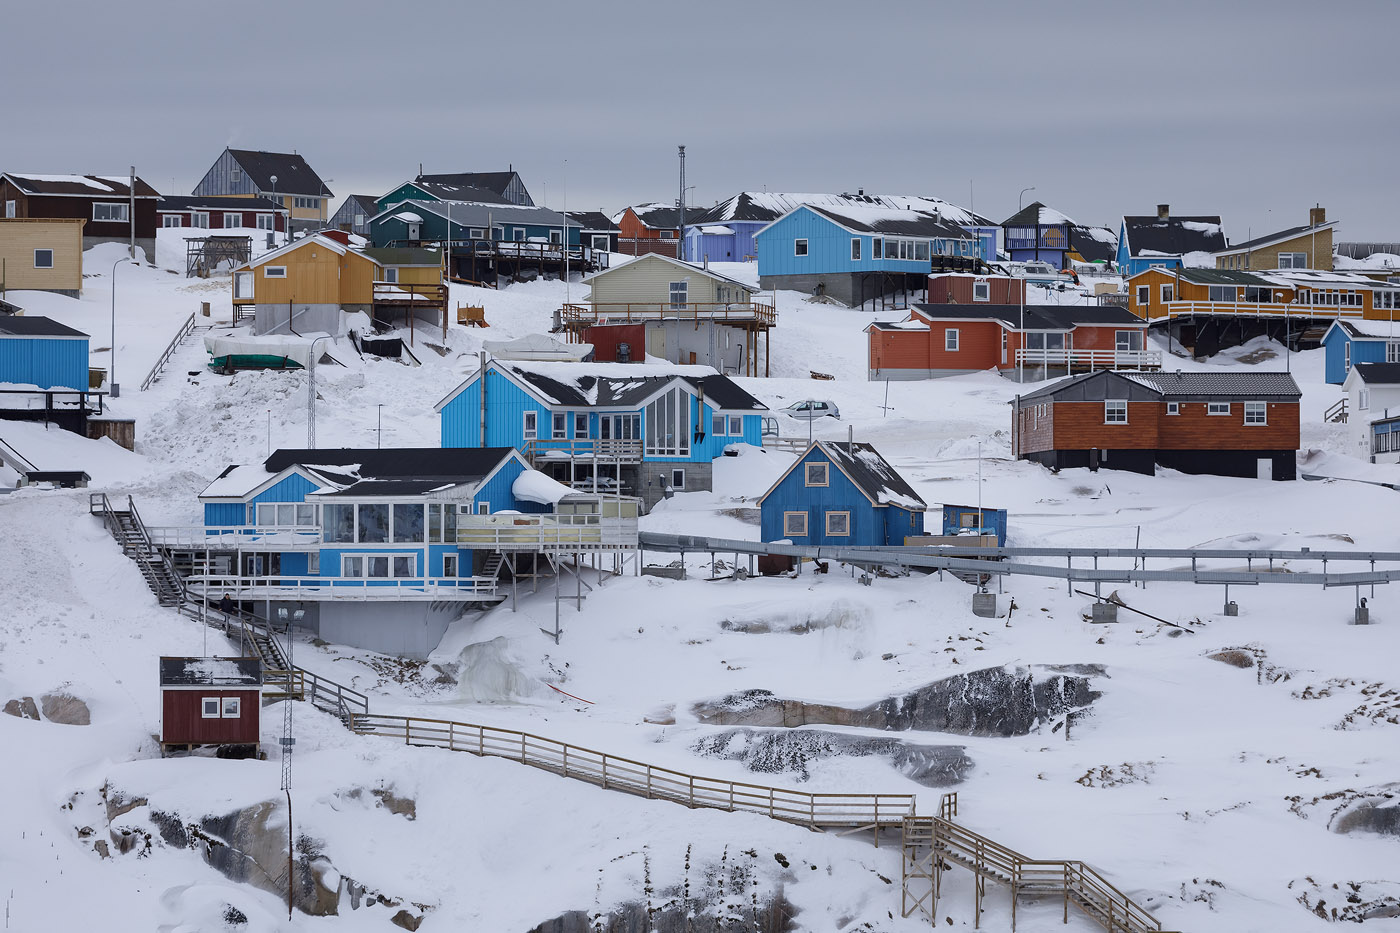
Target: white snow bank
534, 486
52, 449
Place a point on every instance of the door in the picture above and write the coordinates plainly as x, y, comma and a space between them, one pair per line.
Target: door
1265, 468
413, 231
1003, 347
656, 342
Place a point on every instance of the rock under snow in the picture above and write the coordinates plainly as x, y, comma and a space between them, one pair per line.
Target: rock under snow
792, 753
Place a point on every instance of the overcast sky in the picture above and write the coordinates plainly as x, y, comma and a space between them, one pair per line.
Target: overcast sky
1252, 110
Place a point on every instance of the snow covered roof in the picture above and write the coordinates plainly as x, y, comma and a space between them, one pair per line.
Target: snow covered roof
889, 220
537, 347
476, 214
1368, 330
1036, 317
85, 186
178, 203
1378, 373
1036, 213
455, 192
210, 672
717, 230
495, 182
629, 268
767, 206
406, 471
315, 239
869, 472
614, 385
1172, 236
1175, 385
1292, 233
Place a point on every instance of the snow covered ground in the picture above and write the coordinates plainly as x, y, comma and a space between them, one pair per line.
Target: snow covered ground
1199, 788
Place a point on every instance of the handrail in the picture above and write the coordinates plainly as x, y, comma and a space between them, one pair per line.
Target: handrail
693, 311
1070, 355
613, 772
604, 449
154, 374
292, 586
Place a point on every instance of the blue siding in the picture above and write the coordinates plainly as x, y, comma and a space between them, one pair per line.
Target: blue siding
1363, 350
405, 192
870, 525
499, 494
292, 489
389, 228
45, 362
506, 404
993, 520
225, 513
738, 246
829, 248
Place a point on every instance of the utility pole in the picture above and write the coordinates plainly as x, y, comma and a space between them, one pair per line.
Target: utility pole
131, 211
680, 230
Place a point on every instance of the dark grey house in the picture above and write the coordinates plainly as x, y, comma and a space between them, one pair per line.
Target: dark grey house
279, 176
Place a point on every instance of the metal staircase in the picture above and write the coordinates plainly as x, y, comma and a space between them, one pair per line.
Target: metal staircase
126, 526
1337, 413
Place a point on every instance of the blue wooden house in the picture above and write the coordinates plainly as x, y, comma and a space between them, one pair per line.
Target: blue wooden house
1168, 242
858, 253
41, 352
1347, 343
841, 493
420, 190
641, 430
974, 520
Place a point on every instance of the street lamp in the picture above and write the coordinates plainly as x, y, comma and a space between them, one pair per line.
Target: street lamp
1018, 197
311, 392
112, 372
287, 221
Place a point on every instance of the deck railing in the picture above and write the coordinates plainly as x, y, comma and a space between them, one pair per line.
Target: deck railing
420, 294
180, 335
818, 811
694, 312
291, 586
1092, 359
524, 532
218, 537
1261, 309
604, 450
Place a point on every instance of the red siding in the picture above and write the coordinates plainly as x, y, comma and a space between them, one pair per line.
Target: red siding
1102, 337
605, 339
216, 219
1080, 426
979, 347
181, 722
946, 289
42, 206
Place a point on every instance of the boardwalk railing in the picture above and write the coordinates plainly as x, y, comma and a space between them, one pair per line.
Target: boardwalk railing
841, 812
1307, 313
693, 312
180, 335
290, 586
216, 537
601, 449
546, 532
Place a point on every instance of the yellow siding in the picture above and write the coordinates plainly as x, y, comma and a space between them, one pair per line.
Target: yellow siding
357, 278
19, 238
1318, 246
313, 277
648, 280
420, 275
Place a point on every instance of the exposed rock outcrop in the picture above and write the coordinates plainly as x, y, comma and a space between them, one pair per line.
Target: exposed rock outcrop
65, 708
1369, 809
793, 752
23, 707
1348, 901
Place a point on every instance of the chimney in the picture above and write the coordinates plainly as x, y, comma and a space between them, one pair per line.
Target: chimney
860, 191
1164, 211
1317, 216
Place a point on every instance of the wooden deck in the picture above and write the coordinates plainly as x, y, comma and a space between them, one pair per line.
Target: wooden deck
752, 317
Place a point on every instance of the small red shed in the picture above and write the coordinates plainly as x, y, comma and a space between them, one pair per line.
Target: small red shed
609, 339
210, 701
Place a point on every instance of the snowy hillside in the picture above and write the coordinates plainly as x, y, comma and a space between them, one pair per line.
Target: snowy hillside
1221, 770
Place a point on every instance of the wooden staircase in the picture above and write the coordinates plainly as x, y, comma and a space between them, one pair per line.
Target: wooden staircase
936, 844
126, 526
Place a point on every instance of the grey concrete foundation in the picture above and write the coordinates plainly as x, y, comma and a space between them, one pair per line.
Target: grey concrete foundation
1232, 608
406, 629
1363, 615
146, 245
1104, 613
913, 375
699, 477
984, 605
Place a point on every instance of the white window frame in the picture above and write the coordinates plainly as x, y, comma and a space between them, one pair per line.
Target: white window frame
580, 424
265, 221
364, 557
391, 274
449, 565
237, 219
823, 480
838, 534
205, 712
555, 238
530, 425
121, 209
604, 245
717, 425
43, 265
855, 249
11, 208
799, 247
678, 478
1346, 356
792, 527
678, 293
1259, 409
982, 291
476, 233
736, 425
558, 425
231, 708
243, 285
1112, 407
1392, 351
171, 220
307, 204
1173, 408
199, 219
274, 272
1295, 260
950, 339
1166, 292
483, 508
1144, 294
1218, 408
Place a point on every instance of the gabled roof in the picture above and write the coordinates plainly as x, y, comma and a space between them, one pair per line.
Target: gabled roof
593, 221
436, 464
689, 268
869, 472
496, 182
446, 191
1204, 276
211, 672
1175, 236
1377, 373
1094, 243
82, 186
612, 385
1174, 385
1037, 214
657, 216
1037, 317
315, 239
402, 255
768, 206
174, 202
1360, 329
1292, 233
472, 214
29, 326
294, 176
891, 221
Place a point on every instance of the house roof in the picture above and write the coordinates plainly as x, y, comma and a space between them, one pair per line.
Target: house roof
315, 239
402, 255
620, 385
19, 325
1174, 236
1361, 329
1094, 243
175, 202
1037, 214
768, 206
593, 220
1378, 373
872, 474
1179, 385
1037, 317
211, 672
438, 465
1269, 239
495, 182
658, 216
447, 191
86, 186
892, 221
472, 214
689, 267
294, 176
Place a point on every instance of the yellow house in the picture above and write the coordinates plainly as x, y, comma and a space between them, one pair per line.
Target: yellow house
1306, 247
304, 286
42, 255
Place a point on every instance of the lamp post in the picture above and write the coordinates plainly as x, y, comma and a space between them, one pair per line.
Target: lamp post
286, 223
112, 373
311, 392
1018, 197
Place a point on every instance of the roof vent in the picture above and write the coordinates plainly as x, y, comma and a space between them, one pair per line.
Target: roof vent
1164, 211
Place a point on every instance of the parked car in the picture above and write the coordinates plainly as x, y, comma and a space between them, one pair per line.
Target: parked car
811, 409
1038, 271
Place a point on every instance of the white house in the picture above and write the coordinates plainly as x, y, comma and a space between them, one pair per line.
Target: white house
1373, 394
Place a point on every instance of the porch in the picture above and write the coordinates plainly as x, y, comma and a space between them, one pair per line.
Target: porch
1075, 360
319, 589
754, 318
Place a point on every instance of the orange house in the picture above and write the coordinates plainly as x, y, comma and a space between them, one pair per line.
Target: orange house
650, 228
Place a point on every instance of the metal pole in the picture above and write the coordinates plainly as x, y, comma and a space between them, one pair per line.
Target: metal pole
131, 211
115, 389
311, 393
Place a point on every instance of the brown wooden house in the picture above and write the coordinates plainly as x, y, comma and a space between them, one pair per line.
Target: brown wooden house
650, 228
210, 701
103, 202
1223, 423
965, 288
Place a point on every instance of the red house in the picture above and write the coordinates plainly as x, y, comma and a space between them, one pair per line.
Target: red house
1037, 341
220, 213
650, 228
210, 701
965, 288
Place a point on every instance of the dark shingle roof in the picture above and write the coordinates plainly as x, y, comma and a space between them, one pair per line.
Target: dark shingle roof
1175, 235
872, 473
495, 182
22, 326
1220, 384
590, 391
210, 672
294, 176
1378, 373
173, 202
595, 220
917, 223
1289, 234
94, 186
656, 216
436, 464
403, 256
1037, 317
1092, 248
1221, 277
453, 192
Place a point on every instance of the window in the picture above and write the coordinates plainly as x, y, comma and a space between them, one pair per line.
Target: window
43, 259
10, 209
306, 203
981, 291
531, 426
268, 222
373, 524
1292, 260
717, 425
274, 272
1346, 356
408, 523
1128, 340
232, 708
678, 294
233, 220
1218, 408
794, 524
235, 174
1142, 293
818, 474
668, 425
200, 219
111, 213
1259, 294
600, 242
338, 524
483, 508
1166, 293
1256, 413
378, 566
950, 339
1363, 398
449, 565
1173, 408
518, 234
838, 523
855, 249
1115, 412
580, 424
799, 247
876, 247
209, 708
391, 275
172, 220
678, 479
736, 426
559, 425
286, 514
1392, 351
554, 237
1221, 292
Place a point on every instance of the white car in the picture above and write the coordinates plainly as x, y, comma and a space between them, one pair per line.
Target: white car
812, 409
